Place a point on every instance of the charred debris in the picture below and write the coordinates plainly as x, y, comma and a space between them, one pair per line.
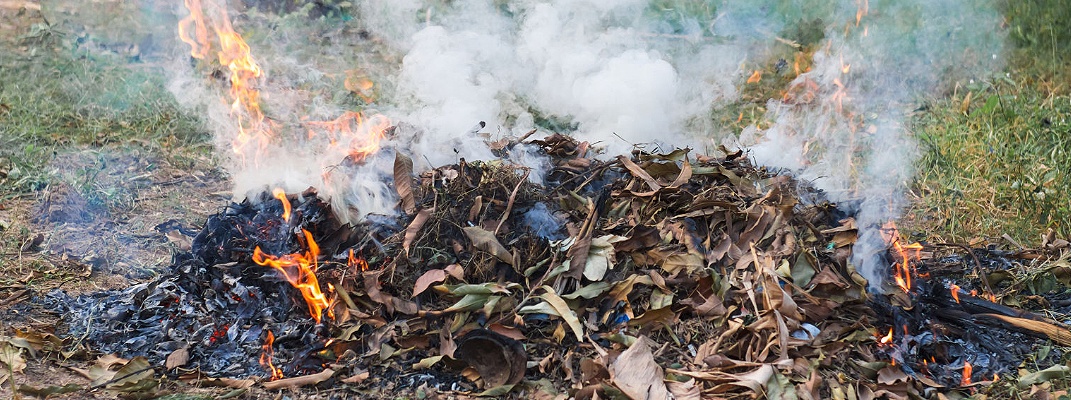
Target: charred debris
642, 275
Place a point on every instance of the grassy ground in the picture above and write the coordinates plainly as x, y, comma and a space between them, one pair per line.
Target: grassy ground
997, 154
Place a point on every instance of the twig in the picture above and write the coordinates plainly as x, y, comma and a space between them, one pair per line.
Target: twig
512, 199
977, 264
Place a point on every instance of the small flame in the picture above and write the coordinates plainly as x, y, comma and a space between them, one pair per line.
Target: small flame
864, 9
755, 77
300, 270
996, 377
955, 292
887, 339
266, 356
967, 370
356, 262
281, 195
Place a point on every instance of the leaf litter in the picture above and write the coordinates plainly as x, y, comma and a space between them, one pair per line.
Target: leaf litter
636, 277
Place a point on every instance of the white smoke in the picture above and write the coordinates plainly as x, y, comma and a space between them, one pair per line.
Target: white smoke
620, 73
844, 125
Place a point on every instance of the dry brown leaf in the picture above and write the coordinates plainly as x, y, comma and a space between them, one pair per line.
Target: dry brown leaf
688, 390
639, 173
429, 278
177, 358
414, 227
636, 373
455, 271
403, 182
300, 381
559, 305
356, 378
486, 241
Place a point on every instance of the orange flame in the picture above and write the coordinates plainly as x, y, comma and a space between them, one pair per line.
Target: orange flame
360, 135
267, 354
864, 9
887, 339
357, 263
281, 195
967, 370
300, 270
902, 270
245, 73
955, 292
755, 77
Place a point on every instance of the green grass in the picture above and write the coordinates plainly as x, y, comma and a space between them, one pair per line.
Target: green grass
58, 96
997, 155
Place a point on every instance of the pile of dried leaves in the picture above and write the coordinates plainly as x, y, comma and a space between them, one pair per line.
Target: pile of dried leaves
637, 277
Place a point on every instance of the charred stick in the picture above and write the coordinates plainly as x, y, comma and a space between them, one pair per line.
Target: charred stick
977, 264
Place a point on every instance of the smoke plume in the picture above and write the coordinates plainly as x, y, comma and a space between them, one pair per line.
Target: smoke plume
619, 73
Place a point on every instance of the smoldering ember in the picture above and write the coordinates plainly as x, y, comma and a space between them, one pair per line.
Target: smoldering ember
364, 256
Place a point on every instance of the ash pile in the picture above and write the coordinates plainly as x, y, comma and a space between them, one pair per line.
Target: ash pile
643, 276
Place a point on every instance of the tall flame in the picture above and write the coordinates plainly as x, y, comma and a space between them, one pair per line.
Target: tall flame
903, 270
266, 355
254, 131
280, 194
299, 268
967, 371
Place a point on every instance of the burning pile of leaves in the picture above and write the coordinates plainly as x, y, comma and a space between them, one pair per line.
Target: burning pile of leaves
639, 276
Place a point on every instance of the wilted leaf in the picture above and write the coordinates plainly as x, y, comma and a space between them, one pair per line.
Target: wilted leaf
1045, 375
497, 391
135, 376
413, 229
468, 303
10, 360
566, 313
639, 173
600, 256
177, 358
485, 240
300, 381
427, 362
426, 280
588, 292
49, 391
455, 271
637, 374
403, 182
688, 390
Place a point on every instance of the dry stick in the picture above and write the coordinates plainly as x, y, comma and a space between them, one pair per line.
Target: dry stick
526, 136
512, 199
977, 264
